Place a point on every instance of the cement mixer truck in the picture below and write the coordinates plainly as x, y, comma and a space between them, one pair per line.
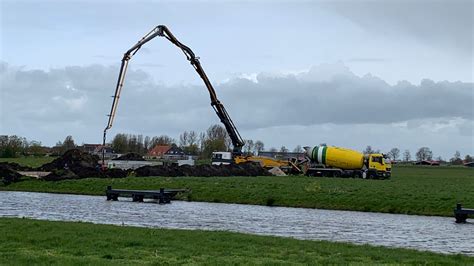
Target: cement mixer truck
332, 161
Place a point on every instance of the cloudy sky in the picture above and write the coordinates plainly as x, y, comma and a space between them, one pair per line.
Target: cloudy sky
346, 73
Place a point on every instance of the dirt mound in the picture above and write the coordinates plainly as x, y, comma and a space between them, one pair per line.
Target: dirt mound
72, 159
244, 169
130, 157
61, 174
8, 173
79, 173
75, 164
17, 167
115, 173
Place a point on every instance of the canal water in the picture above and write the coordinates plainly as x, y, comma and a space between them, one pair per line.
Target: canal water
438, 234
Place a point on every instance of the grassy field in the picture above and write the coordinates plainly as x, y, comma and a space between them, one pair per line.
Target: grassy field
412, 190
29, 161
27, 242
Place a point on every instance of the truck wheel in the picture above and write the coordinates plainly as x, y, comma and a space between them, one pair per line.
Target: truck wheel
357, 175
337, 174
372, 176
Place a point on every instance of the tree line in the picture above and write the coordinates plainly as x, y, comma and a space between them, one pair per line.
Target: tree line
202, 144
422, 154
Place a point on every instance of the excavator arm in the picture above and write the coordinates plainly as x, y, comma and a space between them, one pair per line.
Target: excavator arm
218, 107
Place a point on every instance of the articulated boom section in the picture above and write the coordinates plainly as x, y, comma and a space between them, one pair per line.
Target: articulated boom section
218, 107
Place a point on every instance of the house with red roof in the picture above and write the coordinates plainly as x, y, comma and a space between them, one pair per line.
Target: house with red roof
169, 152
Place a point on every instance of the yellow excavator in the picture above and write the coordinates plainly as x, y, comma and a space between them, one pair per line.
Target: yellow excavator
237, 141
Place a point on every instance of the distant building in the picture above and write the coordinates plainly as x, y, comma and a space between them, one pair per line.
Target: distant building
158, 151
90, 148
469, 164
427, 162
167, 152
109, 152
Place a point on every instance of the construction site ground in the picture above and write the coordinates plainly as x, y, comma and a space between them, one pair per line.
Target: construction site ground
75, 164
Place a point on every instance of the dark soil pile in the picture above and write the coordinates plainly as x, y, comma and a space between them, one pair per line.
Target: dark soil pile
72, 159
75, 164
130, 157
16, 166
8, 172
244, 169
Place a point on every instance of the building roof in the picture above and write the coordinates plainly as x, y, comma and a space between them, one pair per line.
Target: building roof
99, 149
91, 145
159, 150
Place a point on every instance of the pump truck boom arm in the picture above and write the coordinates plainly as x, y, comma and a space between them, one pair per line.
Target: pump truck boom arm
218, 107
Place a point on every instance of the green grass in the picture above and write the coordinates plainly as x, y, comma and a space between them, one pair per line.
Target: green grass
27, 242
412, 190
29, 161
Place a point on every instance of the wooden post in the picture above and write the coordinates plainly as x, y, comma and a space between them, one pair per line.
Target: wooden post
162, 196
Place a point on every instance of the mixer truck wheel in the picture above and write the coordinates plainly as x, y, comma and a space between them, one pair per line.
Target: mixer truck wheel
372, 176
337, 174
357, 175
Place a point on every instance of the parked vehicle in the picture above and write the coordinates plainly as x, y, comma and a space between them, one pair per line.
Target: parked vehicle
340, 162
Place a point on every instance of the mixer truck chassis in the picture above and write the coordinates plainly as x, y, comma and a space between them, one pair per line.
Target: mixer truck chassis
335, 172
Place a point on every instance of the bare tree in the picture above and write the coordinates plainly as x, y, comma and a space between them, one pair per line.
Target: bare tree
457, 158
406, 156
162, 140
298, 149
283, 149
368, 150
68, 144
394, 154
249, 146
424, 153
273, 149
35, 148
146, 143
259, 146
192, 138
216, 139
202, 141
184, 139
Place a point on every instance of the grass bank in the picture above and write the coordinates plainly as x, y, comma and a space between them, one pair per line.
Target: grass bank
26, 242
412, 190
30, 161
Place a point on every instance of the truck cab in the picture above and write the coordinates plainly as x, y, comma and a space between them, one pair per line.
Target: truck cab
221, 157
377, 167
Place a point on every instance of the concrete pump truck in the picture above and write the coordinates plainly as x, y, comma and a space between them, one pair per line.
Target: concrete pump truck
237, 141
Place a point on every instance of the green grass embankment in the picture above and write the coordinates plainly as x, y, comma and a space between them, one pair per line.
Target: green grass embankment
27, 242
412, 190
29, 161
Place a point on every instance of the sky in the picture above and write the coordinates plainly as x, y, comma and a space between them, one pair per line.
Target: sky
346, 73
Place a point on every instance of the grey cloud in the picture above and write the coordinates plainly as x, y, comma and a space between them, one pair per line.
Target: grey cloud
318, 97
325, 94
